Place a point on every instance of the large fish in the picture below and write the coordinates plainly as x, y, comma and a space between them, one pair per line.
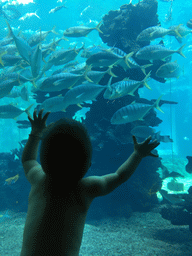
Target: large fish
183, 31
106, 59
8, 60
146, 131
60, 57
133, 112
157, 52
35, 61
80, 31
54, 104
61, 81
169, 70
40, 36
123, 88
11, 112
87, 52
82, 93
129, 61
23, 47
154, 32
6, 86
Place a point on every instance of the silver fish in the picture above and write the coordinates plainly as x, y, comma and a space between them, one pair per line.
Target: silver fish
157, 52
6, 86
40, 36
57, 8
80, 31
54, 104
82, 93
35, 61
60, 81
23, 47
133, 112
11, 112
123, 88
183, 31
106, 59
154, 32
169, 70
146, 131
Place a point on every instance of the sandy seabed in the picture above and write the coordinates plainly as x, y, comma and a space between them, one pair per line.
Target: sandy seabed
142, 234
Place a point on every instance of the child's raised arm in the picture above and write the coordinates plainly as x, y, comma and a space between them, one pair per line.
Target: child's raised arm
100, 186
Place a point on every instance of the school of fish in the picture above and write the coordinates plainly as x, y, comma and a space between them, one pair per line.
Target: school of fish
24, 61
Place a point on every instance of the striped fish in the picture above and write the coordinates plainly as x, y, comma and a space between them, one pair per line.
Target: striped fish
133, 112
124, 88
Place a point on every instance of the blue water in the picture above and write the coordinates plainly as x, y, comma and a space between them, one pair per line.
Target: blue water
112, 151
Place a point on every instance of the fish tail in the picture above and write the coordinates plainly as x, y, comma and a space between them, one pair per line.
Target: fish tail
156, 104
53, 30
1, 55
176, 30
144, 67
127, 57
97, 27
109, 71
145, 79
180, 51
87, 69
65, 39
27, 109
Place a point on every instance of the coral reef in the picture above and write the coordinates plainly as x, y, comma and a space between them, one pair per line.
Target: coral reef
181, 214
121, 27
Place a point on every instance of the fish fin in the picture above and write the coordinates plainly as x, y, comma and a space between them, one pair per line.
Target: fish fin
88, 79
180, 51
53, 30
156, 104
109, 82
145, 79
3, 53
144, 67
10, 30
176, 30
27, 109
146, 85
127, 57
79, 105
110, 72
33, 82
97, 27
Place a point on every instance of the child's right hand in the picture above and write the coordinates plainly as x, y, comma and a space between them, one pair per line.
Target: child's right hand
144, 149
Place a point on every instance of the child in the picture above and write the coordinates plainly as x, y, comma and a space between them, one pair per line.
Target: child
60, 197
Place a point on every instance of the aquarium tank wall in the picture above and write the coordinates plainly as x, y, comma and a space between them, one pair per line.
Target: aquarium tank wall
122, 69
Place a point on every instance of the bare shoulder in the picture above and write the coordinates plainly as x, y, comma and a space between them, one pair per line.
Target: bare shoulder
95, 186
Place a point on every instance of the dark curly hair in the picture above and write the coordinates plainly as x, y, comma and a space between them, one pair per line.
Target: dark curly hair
66, 147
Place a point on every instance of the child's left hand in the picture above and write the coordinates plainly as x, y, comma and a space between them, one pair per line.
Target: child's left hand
39, 123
